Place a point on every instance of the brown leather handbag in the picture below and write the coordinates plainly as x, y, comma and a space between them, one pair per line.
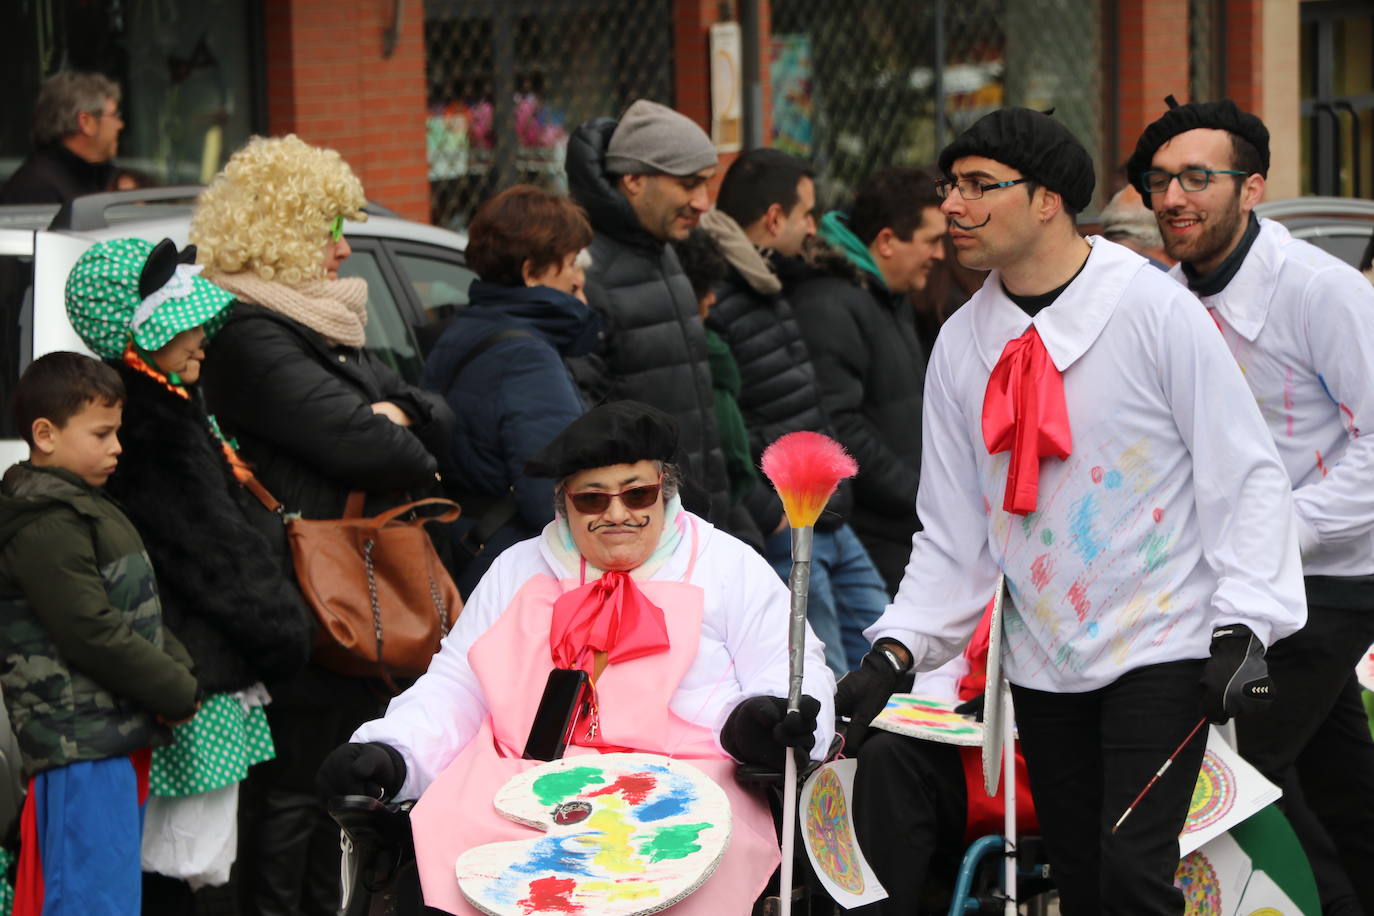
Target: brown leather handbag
382, 598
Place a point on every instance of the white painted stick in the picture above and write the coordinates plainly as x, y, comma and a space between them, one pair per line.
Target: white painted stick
789, 831
1009, 796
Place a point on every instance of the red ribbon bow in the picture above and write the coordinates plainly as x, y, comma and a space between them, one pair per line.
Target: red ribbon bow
609, 615
1024, 413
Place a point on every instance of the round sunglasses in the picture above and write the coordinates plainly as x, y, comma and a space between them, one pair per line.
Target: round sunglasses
595, 502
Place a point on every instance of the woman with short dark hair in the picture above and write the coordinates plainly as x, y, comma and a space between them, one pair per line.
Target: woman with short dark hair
500, 366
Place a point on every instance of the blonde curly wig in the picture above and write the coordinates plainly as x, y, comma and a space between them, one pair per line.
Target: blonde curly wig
270, 210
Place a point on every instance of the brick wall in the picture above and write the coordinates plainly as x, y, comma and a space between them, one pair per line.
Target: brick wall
1152, 63
328, 82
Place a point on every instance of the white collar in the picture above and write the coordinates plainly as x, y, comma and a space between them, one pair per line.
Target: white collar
1075, 320
1244, 303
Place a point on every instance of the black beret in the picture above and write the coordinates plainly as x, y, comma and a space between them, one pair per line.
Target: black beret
1033, 143
621, 432
1224, 115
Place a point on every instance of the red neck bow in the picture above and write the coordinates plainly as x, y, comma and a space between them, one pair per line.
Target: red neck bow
609, 615
1024, 413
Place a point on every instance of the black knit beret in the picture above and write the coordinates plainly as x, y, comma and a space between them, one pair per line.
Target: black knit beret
1033, 143
621, 432
1224, 115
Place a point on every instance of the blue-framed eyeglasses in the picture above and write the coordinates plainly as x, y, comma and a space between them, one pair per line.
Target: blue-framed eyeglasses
1156, 181
972, 189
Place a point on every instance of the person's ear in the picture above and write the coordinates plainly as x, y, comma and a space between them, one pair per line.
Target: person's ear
87, 124
1251, 192
527, 271
1047, 203
882, 242
633, 185
774, 218
44, 433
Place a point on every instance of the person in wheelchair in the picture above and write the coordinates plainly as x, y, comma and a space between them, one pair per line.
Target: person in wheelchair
680, 629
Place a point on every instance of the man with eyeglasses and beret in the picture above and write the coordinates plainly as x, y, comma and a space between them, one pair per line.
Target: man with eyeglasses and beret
1300, 323
681, 629
1088, 436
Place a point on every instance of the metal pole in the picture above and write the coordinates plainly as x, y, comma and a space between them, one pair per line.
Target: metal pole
1009, 827
938, 68
751, 64
799, 584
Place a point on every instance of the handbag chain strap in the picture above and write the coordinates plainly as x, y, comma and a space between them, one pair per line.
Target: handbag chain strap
439, 606
376, 614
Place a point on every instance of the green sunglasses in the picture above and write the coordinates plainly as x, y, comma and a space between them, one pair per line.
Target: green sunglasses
336, 229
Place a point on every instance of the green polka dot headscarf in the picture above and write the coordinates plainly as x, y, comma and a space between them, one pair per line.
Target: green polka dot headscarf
106, 308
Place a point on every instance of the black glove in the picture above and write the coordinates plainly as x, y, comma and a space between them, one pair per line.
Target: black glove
372, 769
760, 730
862, 693
973, 706
1235, 681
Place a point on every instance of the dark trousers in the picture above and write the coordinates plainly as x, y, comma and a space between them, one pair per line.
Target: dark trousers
910, 808
1313, 741
1087, 756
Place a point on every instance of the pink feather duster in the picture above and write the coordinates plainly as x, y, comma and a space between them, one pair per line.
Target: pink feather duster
805, 468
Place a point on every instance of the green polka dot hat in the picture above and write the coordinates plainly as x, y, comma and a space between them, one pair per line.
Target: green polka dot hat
132, 289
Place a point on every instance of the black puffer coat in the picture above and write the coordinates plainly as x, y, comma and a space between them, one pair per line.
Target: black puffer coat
300, 412
779, 393
54, 175
655, 346
871, 370
220, 557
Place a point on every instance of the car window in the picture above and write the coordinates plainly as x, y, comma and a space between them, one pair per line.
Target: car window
441, 285
16, 331
1348, 247
387, 334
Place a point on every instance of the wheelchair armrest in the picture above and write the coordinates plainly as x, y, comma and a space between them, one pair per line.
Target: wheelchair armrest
371, 823
757, 774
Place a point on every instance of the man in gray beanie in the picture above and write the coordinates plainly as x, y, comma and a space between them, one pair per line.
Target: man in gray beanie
1301, 324
643, 182
1089, 441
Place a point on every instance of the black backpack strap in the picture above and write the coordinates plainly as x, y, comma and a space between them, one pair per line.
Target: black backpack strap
503, 509
481, 347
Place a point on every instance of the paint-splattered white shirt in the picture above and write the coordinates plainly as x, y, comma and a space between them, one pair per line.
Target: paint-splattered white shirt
1172, 513
1301, 325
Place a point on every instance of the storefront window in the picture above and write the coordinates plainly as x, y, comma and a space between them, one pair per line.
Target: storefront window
186, 69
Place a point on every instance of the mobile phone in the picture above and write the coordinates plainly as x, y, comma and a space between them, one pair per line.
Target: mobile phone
565, 693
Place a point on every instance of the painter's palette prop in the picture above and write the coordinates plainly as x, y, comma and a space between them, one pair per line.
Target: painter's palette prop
828, 830
624, 834
930, 718
1228, 790
994, 694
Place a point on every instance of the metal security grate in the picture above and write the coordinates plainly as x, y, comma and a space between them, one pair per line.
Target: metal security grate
868, 83
510, 80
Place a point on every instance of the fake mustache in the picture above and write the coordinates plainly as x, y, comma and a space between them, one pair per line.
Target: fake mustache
620, 525
955, 222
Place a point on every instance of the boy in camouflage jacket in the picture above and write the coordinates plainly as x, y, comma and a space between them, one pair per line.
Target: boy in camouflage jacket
90, 679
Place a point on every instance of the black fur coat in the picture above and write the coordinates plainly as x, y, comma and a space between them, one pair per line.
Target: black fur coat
223, 571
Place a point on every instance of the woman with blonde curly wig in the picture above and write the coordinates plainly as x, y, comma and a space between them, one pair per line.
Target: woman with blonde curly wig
317, 416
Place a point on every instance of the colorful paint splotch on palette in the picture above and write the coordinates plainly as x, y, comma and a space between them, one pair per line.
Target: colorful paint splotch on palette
929, 718
830, 835
624, 834
1214, 793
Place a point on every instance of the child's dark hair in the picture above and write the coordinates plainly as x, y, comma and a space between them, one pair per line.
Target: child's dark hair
59, 385
702, 261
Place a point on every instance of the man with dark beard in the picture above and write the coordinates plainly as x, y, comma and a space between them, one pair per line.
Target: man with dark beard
1301, 325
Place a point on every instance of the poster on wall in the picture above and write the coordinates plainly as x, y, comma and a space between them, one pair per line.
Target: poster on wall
793, 101
727, 130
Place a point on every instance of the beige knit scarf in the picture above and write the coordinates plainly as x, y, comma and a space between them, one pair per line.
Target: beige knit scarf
337, 309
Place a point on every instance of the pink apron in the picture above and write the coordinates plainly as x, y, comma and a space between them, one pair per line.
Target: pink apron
511, 660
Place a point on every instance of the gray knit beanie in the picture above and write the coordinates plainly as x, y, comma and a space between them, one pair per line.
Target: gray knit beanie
653, 139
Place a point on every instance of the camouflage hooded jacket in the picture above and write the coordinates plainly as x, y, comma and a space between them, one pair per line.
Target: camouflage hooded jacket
84, 662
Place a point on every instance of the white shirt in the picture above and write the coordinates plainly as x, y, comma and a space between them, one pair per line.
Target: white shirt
1172, 513
1301, 325
742, 653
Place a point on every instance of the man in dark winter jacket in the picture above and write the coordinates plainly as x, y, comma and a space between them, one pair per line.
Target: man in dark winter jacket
765, 211
76, 125
642, 181
861, 333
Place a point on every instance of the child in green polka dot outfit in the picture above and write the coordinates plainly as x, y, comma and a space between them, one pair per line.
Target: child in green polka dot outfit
218, 555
